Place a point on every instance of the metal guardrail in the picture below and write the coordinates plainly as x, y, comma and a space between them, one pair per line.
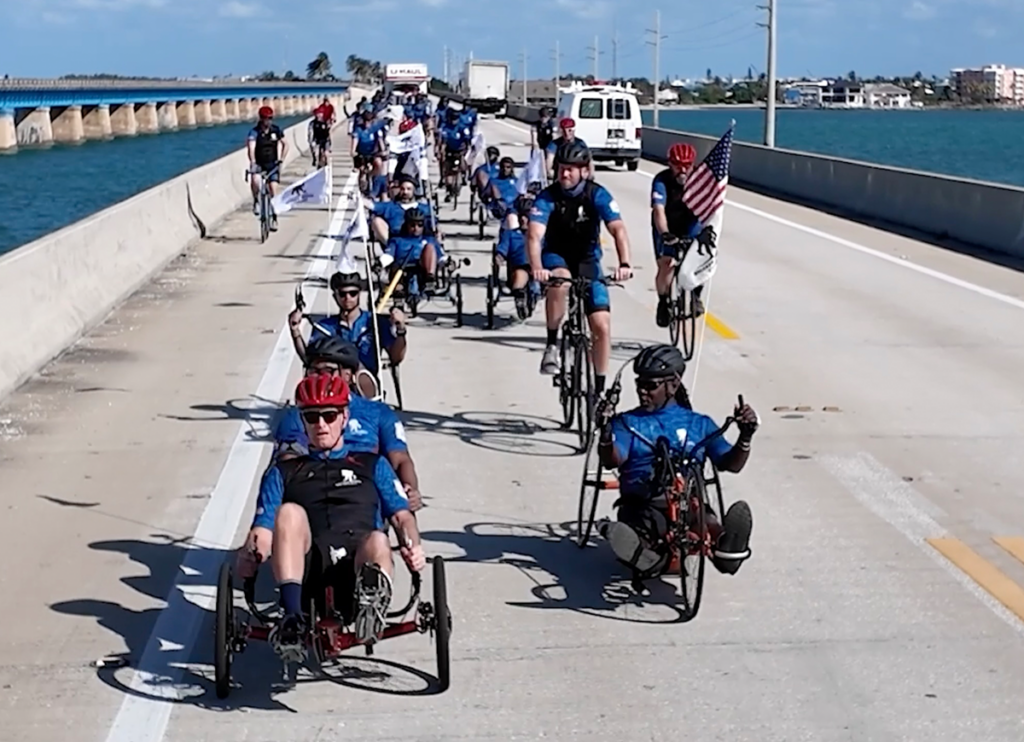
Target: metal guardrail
28, 84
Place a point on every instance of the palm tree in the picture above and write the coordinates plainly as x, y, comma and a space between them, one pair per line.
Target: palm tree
319, 67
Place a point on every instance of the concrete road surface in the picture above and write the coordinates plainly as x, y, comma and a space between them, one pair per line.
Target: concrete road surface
887, 375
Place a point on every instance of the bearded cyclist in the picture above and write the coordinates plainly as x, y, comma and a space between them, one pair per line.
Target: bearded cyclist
671, 221
627, 443
564, 240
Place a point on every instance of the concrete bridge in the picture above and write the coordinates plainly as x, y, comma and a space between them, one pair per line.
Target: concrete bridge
41, 112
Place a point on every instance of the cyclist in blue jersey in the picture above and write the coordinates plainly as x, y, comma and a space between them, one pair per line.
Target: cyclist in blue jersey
567, 127
672, 220
328, 508
368, 142
411, 247
353, 324
388, 217
501, 193
512, 252
483, 174
566, 222
455, 143
372, 426
626, 443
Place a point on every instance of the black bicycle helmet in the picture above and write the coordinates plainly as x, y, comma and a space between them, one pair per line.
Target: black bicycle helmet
572, 153
523, 204
506, 160
494, 152
659, 362
415, 216
333, 350
342, 280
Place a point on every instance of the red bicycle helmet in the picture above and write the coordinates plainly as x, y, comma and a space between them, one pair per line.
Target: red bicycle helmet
682, 154
321, 390
407, 125
567, 123
266, 112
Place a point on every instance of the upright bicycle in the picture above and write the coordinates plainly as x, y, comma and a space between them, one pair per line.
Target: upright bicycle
268, 219
575, 377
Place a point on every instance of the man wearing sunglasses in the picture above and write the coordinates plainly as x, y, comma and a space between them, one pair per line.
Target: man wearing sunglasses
626, 444
353, 324
327, 511
372, 426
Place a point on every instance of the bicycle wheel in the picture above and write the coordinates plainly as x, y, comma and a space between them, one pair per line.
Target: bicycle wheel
492, 299
583, 384
683, 325
264, 214
693, 546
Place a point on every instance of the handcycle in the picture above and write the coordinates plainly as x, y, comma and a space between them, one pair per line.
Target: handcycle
330, 599
498, 289
575, 377
405, 283
683, 481
453, 186
265, 200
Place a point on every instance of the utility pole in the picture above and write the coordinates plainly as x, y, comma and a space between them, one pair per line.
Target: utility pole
523, 58
446, 65
657, 60
615, 56
769, 109
557, 56
594, 53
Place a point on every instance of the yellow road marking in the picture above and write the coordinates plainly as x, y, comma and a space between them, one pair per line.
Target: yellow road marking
720, 327
1014, 545
986, 574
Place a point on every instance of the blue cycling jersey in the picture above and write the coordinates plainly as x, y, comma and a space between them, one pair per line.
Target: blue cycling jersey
682, 427
373, 427
368, 138
391, 497
393, 213
359, 334
490, 169
508, 189
407, 250
512, 247
456, 138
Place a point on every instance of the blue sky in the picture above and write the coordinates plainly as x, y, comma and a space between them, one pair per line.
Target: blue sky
47, 38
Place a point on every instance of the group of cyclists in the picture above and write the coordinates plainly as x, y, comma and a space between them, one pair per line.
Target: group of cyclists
342, 471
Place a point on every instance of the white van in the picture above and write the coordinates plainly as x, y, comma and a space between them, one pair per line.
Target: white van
608, 119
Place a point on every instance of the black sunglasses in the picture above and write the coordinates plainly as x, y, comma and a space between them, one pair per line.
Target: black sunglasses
314, 416
649, 385
347, 292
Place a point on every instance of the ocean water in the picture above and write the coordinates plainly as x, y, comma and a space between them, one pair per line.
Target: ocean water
982, 145
42, 190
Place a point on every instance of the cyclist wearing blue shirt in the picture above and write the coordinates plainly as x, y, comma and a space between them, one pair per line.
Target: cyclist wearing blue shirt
455, 142
627, 443
327, 509
412, 247
483, 174
671, 221
511, 250
372, 427
566, 221
368, 142
353, 324
502, 192
388, 216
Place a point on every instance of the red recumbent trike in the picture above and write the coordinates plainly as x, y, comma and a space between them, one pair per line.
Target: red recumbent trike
683, 481
330, 596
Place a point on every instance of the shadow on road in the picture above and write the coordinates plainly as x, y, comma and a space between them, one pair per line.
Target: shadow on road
260, 414
505, 432
564, 576
186, 677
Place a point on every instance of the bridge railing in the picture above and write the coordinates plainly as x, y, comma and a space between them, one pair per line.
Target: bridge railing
26, 83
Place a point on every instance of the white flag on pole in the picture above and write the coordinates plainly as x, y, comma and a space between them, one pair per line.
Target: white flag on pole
357, 229
476, 150
532, 173
411, 141
315, 188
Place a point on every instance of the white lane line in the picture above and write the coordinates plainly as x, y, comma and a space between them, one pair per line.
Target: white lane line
905, 509
145, 713
938, 275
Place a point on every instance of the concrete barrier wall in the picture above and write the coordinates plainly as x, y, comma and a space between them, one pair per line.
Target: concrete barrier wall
987, 215
56, 288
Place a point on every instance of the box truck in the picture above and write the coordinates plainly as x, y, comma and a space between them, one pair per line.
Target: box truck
484, 86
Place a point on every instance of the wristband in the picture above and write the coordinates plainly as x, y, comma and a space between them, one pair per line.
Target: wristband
625, 265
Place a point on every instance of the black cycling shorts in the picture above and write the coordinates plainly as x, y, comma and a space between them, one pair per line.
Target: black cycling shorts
322, 571
360, 160
452, 159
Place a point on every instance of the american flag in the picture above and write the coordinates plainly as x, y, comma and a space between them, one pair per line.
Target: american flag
705, 188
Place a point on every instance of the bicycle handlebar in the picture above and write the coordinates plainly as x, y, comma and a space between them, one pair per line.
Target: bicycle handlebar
558, 280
